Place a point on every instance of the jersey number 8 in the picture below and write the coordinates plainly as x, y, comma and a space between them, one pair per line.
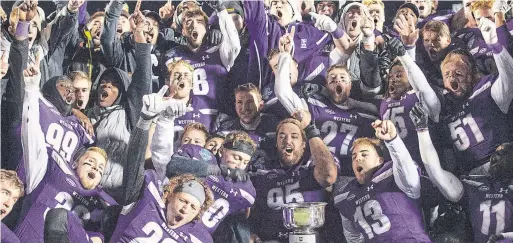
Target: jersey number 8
200, 83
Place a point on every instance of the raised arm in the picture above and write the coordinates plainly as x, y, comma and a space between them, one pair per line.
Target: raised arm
111, 45
141, 79
283, 88
230, 47
447, 183
35, 155
502, 89
406, 174
421, 87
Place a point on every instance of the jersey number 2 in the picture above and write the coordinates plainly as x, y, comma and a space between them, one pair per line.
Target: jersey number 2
155, 232
373, 209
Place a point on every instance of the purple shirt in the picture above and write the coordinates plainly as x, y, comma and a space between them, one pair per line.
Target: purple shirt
341, 125
230, 198
60, 188
476, 127
145, 220
7, 235
489, 205
202, 112
380, 211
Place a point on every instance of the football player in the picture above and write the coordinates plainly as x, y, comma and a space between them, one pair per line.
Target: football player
294, 176
475, 108
11, 190
486, 198
380, 204
51, 181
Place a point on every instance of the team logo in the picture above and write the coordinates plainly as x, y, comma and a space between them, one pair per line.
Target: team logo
502, 190
329, 111
351, 197
303, 43
70, 182
353, 116
483, 188
205, 154
272, 176
370, 188
213, 178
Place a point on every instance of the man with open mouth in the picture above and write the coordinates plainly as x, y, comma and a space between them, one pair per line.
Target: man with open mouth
475, 111
388, 191
56, 178
294, 175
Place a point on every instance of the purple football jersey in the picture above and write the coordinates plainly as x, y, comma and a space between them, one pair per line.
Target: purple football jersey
64, 134
341, 125
380, 211
440, 15
477, 126
263, 131
145, 220
276, 187
398, 111
489, 206
230, 198
202, 112
7, 235
60, 188
209, 73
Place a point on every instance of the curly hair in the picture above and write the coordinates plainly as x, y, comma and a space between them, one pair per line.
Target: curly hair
240, 136
11, 178
481, 4
195, 126
177, 181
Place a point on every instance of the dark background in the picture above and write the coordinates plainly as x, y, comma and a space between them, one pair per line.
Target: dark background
93, 6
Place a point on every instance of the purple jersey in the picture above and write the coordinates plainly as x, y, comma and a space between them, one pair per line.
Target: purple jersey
476, 126
440, 15
64, 134
60, 188
201, 113
276, 187
230, 198
380, 211
341, 125
398, 111
7, 235
209, 73
262, 131
145, 220
489, 206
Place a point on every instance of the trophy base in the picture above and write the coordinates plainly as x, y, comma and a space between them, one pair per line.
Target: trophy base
302, 238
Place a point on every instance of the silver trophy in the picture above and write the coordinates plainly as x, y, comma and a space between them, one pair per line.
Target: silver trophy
302, 219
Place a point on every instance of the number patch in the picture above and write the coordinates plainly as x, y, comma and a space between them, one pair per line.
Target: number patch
332, 130
216, 213
396, 115
154, 233
200, 82
372, 209
64, 143
458, 134
276, 197
499, 210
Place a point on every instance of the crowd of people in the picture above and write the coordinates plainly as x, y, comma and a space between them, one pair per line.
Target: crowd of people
174, 125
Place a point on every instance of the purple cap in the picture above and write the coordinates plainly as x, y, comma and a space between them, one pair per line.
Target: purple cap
195, 152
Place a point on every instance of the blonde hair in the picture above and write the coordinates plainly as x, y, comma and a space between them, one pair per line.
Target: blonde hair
79, 75
11, 177
481, 4
195, 126
172, 65
177, 181
99, 151
250, 88
438, 27
293, 121
370, 2
374, 142
239, 136
454, 56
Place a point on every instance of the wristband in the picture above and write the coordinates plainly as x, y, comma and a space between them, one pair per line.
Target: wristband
337, 34
422, 129
22, 29
312, 132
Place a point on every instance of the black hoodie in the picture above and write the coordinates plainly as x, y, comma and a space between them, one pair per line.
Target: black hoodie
51, 93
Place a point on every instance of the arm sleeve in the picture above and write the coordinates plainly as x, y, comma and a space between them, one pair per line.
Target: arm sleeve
133, 178
447, 183
369, 75
352, 235
421, 86
337, 56
18, 57
111, 45
406, 175
141, 82
162, 145
230, 47
502, 89
411, 52
282, 87
64, 33
35, 155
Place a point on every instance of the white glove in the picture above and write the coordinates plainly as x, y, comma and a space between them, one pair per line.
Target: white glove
489, 31
323, 22
501, 6
154, 104
32, 77
175, 108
